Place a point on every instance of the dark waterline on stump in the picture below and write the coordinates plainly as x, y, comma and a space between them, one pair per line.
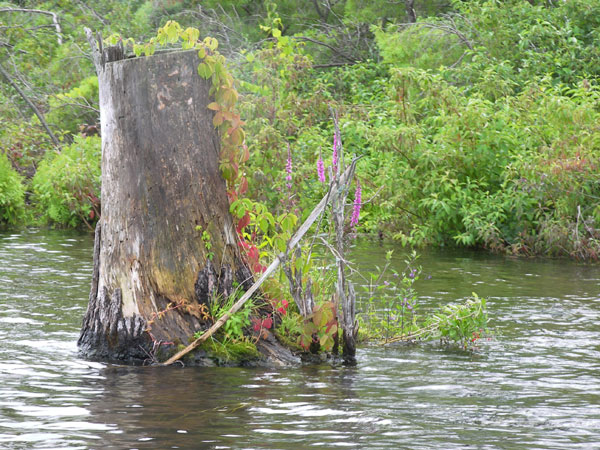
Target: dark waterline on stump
536, 385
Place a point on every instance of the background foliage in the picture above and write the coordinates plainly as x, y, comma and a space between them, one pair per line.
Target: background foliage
478, 123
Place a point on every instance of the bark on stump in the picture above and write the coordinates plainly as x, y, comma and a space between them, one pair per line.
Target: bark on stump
160, 181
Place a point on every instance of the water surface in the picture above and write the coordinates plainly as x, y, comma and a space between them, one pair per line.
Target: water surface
536, 385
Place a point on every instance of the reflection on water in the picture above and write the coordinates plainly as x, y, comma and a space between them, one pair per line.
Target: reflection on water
536, 385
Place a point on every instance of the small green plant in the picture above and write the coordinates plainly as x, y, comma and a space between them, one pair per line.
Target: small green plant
391, 313
226, 351
389, 308
206, 239
454, 324
231, 344
234, 327
290, 329
320, 328
460, 323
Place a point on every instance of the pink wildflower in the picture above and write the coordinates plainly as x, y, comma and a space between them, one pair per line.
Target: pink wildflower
357, 205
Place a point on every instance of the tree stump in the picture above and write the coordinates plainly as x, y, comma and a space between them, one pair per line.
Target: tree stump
161, 189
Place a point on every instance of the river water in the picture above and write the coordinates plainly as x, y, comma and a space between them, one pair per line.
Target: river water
535, 385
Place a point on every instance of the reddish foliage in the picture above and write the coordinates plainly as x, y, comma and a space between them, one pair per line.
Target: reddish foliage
252, 255
243, 222
260, 323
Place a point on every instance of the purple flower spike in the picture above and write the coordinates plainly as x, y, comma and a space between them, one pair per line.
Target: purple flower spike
357, 205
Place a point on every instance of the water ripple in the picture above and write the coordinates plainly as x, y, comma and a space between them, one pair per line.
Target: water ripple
534, 385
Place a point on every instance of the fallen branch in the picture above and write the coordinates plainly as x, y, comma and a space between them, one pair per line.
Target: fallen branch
294, 241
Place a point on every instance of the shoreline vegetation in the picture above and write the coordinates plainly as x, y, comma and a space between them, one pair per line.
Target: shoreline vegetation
477, 123
474, 125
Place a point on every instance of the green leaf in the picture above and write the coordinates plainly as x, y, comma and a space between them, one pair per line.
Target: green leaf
204, 71
280, 244
326, 342
211, 43
192, 34
263, 225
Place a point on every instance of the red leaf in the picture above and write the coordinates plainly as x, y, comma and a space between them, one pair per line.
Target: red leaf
242, 243
232, 196
243, 186
245, 153
243, 223
267, 323
331, 324
253, 254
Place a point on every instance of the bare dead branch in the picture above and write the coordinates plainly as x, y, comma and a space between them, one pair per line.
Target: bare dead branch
324, 44
340, 64
83, 5
76, 104
34, 108
54, 16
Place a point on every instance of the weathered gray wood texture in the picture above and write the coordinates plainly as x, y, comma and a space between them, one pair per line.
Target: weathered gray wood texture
160, 181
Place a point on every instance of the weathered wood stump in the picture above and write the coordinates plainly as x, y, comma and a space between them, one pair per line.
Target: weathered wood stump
161, 189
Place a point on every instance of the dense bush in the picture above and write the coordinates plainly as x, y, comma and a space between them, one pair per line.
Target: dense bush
12, 193
477, 154
561, 41
66, 186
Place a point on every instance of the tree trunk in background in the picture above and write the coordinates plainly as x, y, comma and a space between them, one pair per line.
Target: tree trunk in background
410, 10
160, 182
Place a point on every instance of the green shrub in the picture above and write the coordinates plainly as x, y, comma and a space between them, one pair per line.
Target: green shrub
12, 193
76, 107
419, 46
66, 186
